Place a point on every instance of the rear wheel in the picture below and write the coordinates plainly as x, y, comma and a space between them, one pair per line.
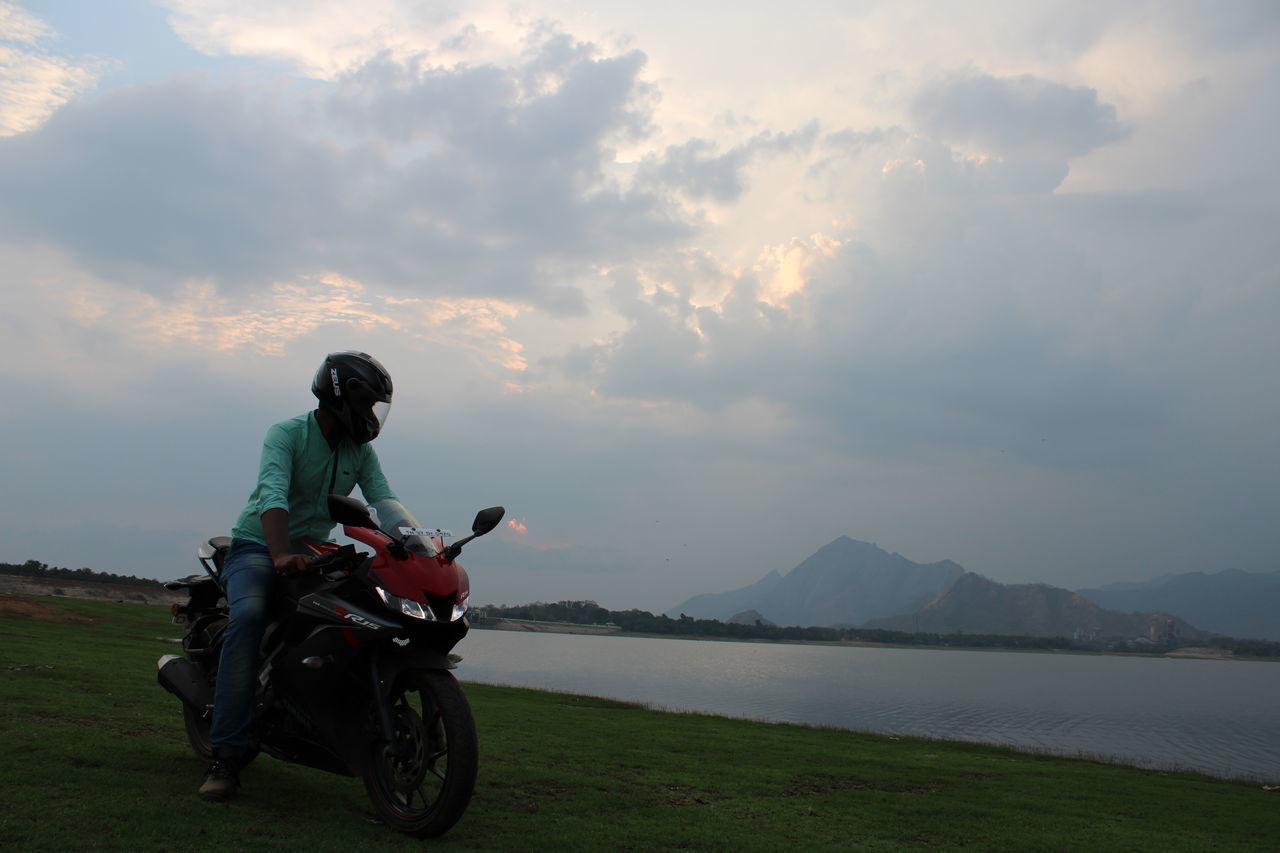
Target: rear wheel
198, 731
422, 781
208, 638
197, 722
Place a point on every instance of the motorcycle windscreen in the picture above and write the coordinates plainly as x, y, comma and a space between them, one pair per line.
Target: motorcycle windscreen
395, 520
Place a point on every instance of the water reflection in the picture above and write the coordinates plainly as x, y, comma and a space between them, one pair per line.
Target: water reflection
1212, 716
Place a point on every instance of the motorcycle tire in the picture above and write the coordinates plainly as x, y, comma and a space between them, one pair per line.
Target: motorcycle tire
197, 725
421, 782
196, 722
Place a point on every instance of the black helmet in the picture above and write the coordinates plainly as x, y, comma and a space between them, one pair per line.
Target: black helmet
357, 390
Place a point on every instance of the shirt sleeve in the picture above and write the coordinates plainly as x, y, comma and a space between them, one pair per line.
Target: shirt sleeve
373, 485
275, 470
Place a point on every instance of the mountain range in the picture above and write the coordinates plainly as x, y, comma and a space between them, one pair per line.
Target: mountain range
1230, 602
844, 583
978, 605
848, 583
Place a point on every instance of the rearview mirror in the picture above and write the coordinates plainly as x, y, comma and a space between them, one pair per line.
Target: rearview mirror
487, 519
350, 512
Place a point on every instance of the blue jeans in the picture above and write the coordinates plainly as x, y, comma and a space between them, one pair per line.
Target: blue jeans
248, 575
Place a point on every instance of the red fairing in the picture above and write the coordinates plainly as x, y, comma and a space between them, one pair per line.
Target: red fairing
321, 548
416, 577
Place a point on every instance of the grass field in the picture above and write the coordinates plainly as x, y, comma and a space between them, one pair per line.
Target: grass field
94, 758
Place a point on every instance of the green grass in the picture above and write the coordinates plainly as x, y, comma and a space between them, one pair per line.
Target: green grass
94, 757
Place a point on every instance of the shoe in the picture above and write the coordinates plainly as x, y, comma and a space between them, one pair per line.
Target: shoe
221, 781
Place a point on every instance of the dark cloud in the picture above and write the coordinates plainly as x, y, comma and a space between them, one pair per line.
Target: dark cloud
158, 184
701, 173
1028, 128
1246, 23
509, 164
473, 180
1017, 114
695, 169
966, 337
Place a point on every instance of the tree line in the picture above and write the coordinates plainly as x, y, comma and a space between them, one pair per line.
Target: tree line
644, 622
35, 569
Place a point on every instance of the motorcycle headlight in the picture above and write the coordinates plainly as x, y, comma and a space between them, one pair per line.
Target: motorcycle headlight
414, 609
406, 606
461, 607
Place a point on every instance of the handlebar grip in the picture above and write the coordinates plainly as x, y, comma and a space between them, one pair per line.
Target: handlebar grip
343, 557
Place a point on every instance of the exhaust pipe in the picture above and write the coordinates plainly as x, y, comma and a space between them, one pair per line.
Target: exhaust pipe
185, 680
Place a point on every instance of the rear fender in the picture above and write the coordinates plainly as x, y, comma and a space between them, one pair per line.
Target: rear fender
202, 639
203, 596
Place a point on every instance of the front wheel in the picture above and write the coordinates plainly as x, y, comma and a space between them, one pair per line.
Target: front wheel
422, 781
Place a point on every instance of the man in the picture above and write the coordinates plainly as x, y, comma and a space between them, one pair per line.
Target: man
304, 459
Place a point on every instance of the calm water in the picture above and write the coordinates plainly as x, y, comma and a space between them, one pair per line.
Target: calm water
1218, 717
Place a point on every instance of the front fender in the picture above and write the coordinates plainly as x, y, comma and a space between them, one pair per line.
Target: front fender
395, 660
386, 670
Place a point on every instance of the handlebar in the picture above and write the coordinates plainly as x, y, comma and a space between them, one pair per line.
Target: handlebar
343, 559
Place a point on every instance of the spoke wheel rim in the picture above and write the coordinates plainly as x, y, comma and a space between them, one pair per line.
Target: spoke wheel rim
416, 760
421, 778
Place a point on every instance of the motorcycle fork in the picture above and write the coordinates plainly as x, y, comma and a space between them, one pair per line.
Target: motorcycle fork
382, 707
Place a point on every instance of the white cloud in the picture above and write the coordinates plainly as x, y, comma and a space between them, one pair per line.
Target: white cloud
34, 82
327, 38
20, 26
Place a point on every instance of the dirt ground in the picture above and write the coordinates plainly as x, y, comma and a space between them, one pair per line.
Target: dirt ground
1204, 653
16, 585
20, 605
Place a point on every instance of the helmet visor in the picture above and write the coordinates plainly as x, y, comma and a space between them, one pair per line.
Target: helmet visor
380, 412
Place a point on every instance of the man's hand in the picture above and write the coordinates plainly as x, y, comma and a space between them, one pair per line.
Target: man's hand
292, 564
275, 529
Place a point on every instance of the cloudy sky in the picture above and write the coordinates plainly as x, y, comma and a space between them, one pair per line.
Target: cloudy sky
692, 289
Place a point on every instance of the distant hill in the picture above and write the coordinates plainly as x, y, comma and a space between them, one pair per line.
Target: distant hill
1232, 602
977, 605
846, 582
722, 605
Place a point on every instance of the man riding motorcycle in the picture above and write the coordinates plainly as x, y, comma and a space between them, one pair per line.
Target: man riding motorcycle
304, 460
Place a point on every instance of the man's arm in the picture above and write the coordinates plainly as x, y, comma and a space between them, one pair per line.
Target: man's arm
373, 483
275, 529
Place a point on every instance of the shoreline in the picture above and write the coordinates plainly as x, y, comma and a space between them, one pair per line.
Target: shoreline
539, 627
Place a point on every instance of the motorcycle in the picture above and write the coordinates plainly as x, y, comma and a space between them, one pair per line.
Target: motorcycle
354, 674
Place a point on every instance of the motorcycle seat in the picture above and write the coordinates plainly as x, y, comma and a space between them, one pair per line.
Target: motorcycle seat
220, 546
188, 583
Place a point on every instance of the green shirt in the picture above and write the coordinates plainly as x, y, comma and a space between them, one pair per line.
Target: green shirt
294, 475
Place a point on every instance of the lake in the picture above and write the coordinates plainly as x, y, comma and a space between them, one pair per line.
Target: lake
1216, 717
